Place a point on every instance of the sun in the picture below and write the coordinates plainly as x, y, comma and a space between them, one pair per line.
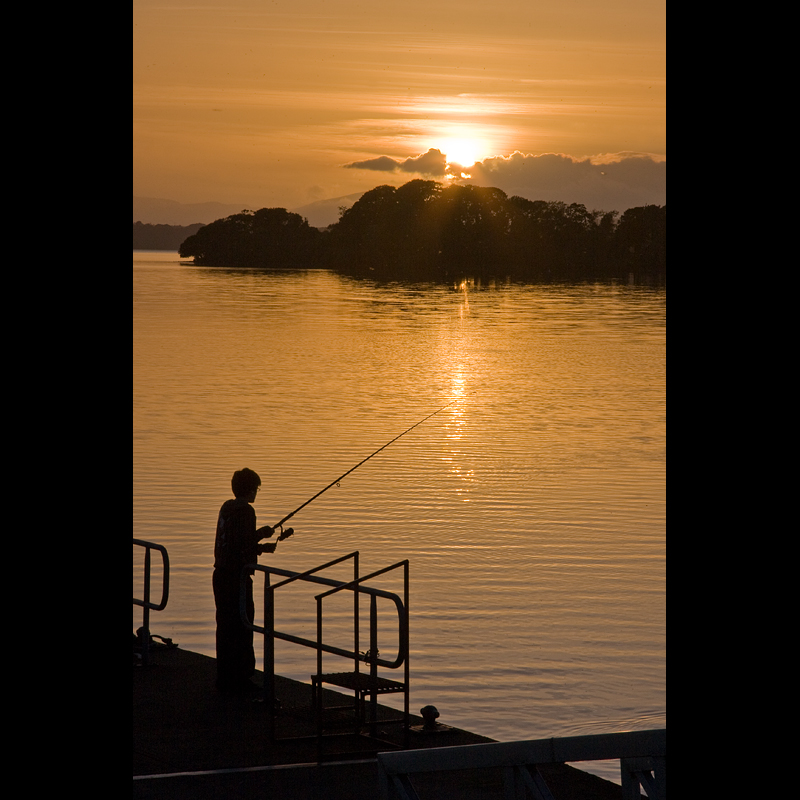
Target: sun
461, 150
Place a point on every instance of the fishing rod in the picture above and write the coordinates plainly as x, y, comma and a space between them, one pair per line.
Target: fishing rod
353, 469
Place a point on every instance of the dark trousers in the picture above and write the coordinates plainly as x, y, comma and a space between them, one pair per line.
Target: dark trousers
236, 660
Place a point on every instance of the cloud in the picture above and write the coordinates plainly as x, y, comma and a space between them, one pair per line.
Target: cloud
433, 164
612, 182
609, 182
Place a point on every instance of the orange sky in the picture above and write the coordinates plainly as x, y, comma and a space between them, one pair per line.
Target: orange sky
273, 102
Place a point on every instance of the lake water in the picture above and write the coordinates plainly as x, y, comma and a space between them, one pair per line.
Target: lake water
532, 509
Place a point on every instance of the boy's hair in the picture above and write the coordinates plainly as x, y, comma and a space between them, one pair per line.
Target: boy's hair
244, 481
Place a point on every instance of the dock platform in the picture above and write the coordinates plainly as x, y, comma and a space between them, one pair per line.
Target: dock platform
189, 741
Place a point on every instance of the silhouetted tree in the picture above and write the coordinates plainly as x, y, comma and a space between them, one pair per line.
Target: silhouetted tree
641, 242
475, 226
426, 231
270, 237
554, 239
358, 240
415, 236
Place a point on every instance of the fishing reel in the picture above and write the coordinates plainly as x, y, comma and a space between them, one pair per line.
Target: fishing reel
284, 534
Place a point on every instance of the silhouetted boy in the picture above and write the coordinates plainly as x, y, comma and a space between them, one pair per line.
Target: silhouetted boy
237, 544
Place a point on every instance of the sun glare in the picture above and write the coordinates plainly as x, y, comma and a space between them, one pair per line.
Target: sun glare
464, 152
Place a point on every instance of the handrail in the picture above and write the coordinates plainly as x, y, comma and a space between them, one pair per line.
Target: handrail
147, 605
356, 586
165, 582
372, 657
402, 613
338, 585
295, 576
308, 575
642, 756
268, 629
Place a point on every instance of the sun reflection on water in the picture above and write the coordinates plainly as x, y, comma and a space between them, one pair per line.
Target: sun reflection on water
455, 431
464, 307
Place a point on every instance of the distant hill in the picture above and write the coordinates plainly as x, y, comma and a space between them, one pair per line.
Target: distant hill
166, 234
155, 211
161, 237
326, 212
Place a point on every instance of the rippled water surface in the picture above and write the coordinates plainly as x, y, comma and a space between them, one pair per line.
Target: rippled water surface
532, 509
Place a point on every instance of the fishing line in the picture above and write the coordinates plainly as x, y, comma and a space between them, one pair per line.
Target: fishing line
371, 455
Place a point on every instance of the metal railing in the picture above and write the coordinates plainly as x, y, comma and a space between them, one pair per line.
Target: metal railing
642, 756
356, 586
371, 687
145, 603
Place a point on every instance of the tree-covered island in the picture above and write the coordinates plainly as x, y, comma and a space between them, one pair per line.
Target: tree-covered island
426, 231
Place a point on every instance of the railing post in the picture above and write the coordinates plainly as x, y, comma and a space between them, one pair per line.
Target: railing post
356, 618
357, 701
405, 633
318, 686
373, 667
144, 631
269, 654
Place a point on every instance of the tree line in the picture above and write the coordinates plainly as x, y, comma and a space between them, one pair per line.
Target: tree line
426, 231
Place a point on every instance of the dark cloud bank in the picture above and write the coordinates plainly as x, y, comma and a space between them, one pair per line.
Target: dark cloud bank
613, 183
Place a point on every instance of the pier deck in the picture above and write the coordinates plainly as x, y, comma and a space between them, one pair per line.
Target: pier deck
191, 742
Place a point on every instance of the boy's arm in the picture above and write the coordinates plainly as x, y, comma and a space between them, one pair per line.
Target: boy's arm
266, 532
